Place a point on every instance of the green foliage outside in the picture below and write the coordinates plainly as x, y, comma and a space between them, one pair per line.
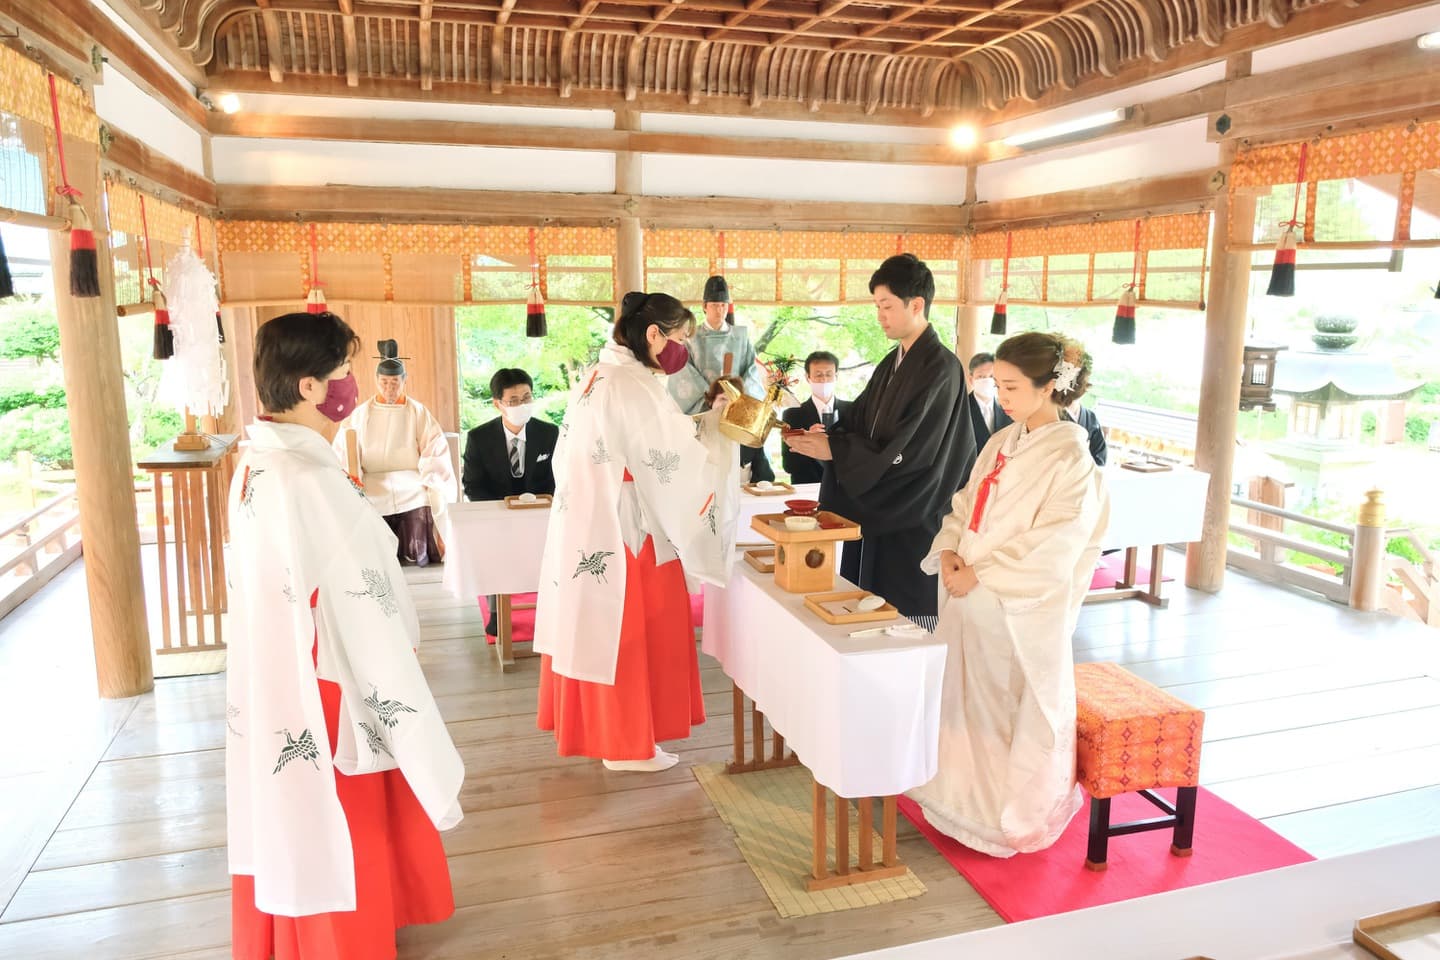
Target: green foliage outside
28, 331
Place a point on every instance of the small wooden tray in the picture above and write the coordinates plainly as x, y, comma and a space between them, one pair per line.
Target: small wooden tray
1409, 934
772, 527
822, 605
542, 502
776, 490
1147, 466
762, 560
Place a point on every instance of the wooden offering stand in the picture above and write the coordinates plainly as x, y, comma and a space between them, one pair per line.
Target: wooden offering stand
542, 501
190, 440
805, 559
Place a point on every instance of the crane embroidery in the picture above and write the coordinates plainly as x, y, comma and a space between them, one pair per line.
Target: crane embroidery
387, 710
589, 390
232, 712
377, 745
664, 463
247, 490
593, 564
601, 454
378, 588
302, 749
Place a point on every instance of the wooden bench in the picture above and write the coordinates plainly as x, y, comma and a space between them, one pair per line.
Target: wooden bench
1133, 737
1166, 434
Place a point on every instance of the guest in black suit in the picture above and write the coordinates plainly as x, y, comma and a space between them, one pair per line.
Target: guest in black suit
752, 457
821, 368
1087, 419
511, 454
985, 412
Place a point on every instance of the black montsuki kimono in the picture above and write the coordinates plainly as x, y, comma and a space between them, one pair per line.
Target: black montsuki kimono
901, 451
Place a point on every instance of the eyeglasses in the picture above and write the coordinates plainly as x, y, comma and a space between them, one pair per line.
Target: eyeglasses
518, 402
825, 377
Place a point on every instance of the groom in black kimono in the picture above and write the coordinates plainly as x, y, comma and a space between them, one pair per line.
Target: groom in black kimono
903, 448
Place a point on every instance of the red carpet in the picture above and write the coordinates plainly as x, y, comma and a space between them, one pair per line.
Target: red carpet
523, 629
1228, 843
1112, 568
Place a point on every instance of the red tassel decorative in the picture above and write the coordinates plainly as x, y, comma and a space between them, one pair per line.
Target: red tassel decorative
164, 346
535, 304
84, 266
1124, 331
1282, 274
997, 319
315, 300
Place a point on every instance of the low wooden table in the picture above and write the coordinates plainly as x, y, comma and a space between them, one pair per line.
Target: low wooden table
199, 483
1150, 510
861, 713
492, 550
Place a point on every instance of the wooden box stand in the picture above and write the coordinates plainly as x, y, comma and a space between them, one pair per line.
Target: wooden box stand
805, 559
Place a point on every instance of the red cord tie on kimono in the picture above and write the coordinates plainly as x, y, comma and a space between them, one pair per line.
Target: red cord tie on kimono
983, 497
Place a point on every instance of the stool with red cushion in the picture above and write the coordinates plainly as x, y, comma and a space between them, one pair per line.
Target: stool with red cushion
1133, 737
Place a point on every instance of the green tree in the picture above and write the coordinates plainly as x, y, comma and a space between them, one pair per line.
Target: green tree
45, 433
30, 332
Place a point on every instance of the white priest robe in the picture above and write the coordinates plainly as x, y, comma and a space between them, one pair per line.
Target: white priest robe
299, 529
685, 494
707, 364
404, 457
1006, 780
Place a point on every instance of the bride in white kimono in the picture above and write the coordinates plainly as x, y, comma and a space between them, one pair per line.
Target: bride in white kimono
1015, 557
338, 766
645, 498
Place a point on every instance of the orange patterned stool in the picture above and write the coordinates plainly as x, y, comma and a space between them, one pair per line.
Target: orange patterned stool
1132, 737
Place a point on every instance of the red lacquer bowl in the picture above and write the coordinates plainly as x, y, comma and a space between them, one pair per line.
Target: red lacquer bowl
802, 508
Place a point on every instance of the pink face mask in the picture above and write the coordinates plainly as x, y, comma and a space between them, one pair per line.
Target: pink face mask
672, 357
340, 397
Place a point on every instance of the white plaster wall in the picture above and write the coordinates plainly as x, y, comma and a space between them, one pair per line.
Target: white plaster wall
140, 41
1359, 36
1177, 148
1128, 97
690, 176
124, 105
790, 129
317, 163
297, 106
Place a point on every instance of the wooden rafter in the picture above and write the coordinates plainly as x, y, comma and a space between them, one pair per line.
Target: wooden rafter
273, 43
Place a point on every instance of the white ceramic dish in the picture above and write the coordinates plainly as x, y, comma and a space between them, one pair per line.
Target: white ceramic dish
802, 524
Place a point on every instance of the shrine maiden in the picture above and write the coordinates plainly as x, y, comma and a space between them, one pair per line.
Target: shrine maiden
902, 449
645, 496
716, 338
1015, 557
338, 767
405, 460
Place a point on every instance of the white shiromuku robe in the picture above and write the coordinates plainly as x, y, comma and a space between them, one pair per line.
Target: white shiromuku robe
685, 493
404, 457
707, 364
301, 529
1006, 780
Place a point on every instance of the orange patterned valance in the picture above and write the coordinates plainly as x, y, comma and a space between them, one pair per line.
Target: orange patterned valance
1182, 231
25, 92
1370, 153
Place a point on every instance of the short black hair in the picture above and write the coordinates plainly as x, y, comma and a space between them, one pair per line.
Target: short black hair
907, 277
507, 377
980, 359
822, 356
639, 311
294, 346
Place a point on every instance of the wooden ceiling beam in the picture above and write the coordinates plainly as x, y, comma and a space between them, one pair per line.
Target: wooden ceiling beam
147, 26
273, 44
451, 132
427, 76
1156, 195
418, 204
352, 46
135, 156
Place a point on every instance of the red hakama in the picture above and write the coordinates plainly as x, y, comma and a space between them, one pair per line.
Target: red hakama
656, 695
401, 875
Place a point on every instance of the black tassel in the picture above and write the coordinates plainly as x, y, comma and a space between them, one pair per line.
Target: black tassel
84, 266
997, 319
7, 283
220, 326
535, 314
1282, 275
164, 345
1124, 329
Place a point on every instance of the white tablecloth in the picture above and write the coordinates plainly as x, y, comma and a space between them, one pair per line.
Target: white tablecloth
863, 713
1150, 508
490, 548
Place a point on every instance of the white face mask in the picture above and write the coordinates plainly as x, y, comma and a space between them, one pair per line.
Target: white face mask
519, 416
985, 388
823, 391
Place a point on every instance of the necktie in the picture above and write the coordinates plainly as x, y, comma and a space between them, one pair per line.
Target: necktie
515, 470
827, 419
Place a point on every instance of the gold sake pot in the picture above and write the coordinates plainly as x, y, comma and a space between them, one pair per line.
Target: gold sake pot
747, 420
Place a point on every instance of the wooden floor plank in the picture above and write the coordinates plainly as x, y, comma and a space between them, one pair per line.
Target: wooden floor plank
1363, 824
97, 886
1275, 794
1242, 757
1320, 709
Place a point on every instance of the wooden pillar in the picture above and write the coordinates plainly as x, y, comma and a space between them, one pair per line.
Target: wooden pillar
1367, 554
104, 484
1225, 322
630, 239
974, 317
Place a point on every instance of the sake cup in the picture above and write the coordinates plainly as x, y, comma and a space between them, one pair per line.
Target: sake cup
802, 508
527, 498
800, 524
869, 603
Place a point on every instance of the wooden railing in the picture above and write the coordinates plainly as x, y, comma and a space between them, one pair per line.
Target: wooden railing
1415, 592
36, 547
1269, 560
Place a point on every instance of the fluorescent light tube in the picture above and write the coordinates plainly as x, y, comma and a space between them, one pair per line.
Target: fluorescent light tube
1057, 130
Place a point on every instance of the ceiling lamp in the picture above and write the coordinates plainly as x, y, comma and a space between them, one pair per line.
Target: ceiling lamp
964, 137
1057, 131
229, 102
1430, 41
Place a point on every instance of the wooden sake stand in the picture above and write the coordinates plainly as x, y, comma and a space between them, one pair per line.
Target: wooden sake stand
805, 559
199, 482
